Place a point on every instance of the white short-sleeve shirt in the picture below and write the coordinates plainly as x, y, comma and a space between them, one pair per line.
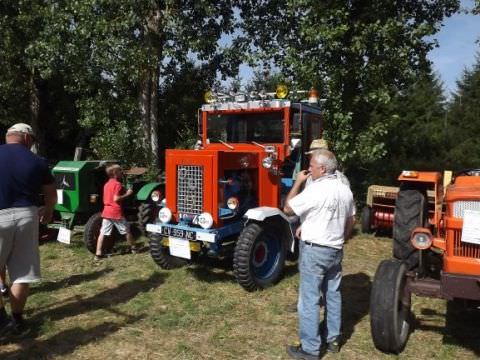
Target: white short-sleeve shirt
324, 207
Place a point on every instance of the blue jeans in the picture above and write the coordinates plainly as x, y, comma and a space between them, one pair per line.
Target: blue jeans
320, 274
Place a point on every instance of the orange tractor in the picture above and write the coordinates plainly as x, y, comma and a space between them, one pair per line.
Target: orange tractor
435, 256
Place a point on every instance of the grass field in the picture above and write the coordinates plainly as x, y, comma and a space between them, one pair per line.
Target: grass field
128, 308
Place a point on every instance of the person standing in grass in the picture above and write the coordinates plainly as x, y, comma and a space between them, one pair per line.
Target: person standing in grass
326, 209
113, 195
24, 177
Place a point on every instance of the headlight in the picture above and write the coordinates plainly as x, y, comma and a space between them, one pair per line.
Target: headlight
156, 195
421, 239
164, 215
205, 220
232, 203
267, 162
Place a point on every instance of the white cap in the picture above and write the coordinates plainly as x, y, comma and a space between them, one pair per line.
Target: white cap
21, 128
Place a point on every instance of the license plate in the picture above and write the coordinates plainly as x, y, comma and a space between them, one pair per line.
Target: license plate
179, 233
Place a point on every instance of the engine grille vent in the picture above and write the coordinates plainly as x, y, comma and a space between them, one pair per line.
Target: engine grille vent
464, 249
190, 189
459, 207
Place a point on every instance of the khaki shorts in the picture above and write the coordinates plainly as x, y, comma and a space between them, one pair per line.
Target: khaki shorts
122, 226
19, 244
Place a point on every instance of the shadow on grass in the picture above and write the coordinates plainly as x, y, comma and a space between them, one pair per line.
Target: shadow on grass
356, 301
70, 281
461, 326
212, 270
67, 341
103, 300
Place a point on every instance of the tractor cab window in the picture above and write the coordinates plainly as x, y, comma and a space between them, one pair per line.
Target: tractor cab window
312, 127
244, 128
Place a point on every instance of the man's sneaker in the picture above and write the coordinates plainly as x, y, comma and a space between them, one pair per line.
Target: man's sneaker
333, 346
16, 329
98, 258
4, 291
296, 352
134, 250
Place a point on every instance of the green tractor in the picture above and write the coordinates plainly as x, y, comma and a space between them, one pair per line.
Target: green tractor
79, 200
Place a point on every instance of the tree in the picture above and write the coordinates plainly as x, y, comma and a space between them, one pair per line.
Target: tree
464, 122
111, 59
359, 53
417, 134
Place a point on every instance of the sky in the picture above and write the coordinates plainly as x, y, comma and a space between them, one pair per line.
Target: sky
457, 47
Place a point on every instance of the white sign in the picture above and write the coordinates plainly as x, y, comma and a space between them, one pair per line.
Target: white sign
471, 227
59, 196
179, 247
64, 235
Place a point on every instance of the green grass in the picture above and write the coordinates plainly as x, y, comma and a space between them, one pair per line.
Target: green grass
128, 308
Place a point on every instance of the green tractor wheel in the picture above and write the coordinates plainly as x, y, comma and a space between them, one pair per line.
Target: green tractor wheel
145, 215
91, 232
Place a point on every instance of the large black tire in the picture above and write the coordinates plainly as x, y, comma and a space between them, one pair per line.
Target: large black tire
91, 232
145, 215
259, 256
161, 255
367, 220
390, 319
411, 211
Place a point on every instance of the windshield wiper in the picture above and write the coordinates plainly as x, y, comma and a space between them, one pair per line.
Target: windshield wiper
226, 144
257, 144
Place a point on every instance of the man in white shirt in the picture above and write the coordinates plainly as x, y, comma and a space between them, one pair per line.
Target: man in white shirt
326, 209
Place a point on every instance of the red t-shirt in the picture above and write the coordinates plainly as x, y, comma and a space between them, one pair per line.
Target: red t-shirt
112, 209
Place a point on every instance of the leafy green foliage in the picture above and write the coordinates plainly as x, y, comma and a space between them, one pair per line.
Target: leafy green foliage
359, 53
464, 122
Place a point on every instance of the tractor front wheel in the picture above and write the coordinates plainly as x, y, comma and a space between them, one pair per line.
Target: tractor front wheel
91, 232
259, 256
411, 211
161, 255
390, 314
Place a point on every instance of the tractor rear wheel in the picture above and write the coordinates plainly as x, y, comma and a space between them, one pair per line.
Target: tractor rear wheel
161, 255
91, 232
367, 220
411, 211
259, 256
390, 317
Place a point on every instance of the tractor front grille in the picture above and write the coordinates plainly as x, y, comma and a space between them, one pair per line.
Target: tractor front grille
459, 207
190, 189
464, 249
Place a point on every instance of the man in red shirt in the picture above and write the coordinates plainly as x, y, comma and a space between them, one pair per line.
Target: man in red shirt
112, 211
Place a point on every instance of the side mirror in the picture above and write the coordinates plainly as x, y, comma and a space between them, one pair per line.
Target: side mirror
295, 143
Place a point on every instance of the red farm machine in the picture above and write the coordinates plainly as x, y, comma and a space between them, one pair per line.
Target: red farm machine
377, 214
223, 199
436, 253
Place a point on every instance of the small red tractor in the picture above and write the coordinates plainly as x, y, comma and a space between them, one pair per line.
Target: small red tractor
224, 198
435, 256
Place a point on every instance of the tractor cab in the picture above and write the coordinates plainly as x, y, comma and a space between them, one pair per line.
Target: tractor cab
245, 162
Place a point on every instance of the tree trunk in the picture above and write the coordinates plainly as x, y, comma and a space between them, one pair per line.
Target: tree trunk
144, 103
38, 118
154, 119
